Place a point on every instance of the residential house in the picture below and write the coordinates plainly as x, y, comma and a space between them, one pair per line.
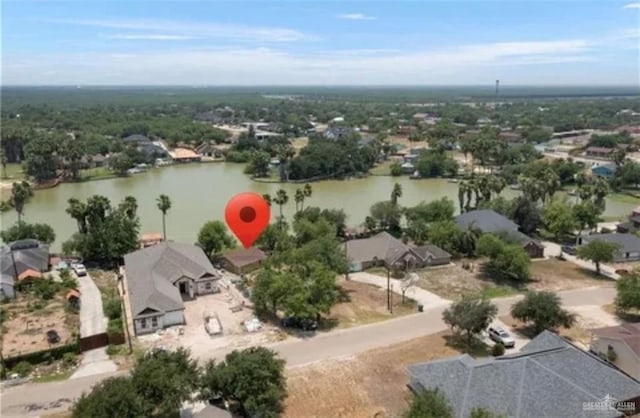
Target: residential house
410, 158
571, 134
19, 260
405, 129
337, 132
408, 168
263, 135
628, 245
385, 250
549, 377
145, 145
620, 345
491, 222
599, 152
243, 261
604, 170
158, 279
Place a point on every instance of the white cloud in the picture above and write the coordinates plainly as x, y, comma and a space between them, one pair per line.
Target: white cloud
356, 16
196, 29
632, 6
264, 66
149, 37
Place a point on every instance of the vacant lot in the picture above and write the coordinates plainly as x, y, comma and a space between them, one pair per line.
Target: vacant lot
372, 384
361, 303
451, 282
28, 319
556, 275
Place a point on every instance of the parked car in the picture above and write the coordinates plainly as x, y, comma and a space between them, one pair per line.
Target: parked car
569, 249
79, 269
501, 336
52, 336
303, 324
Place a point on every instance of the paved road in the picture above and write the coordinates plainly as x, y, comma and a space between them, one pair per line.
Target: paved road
342, 343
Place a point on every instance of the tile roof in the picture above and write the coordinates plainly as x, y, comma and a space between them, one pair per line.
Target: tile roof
244, 257
548, 378
152, 272
30, 273
629, 333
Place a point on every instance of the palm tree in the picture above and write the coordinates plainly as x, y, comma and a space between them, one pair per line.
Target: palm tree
396, 193
20, 193
130, 206
600, 191
281, 199
468, 239
164, 204
285, 153
307, 191
299, 199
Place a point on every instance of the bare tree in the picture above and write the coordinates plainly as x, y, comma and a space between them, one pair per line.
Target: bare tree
407, 283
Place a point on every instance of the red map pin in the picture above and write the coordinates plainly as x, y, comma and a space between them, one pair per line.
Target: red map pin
247, 215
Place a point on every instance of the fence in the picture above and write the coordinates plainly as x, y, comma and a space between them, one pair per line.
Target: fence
100, 340
41, 356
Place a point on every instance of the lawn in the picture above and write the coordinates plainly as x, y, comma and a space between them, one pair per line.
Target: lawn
13, 172
361, 303
97, 173
382, 169
371, 384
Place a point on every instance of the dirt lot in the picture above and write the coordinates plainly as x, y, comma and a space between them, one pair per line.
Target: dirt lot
372, 384
106, 280
363, 304
451, 282
30, 319
555, 275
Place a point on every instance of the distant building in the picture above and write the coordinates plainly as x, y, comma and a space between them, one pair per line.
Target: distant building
599, 152
151, 238
337, 132
209, 149
243, 261
261, 136
604, 171
19, 260
184, 155
632, 225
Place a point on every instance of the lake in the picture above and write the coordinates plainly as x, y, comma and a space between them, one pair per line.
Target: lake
199, 193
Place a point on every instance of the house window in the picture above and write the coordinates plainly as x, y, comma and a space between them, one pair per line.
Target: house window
207, 286
154, 322
143, 323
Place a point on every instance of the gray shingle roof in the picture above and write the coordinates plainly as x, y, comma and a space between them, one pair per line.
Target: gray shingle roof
627, 242
152, 272
548, 378
34, 258
382, 246
431, 250
487, 220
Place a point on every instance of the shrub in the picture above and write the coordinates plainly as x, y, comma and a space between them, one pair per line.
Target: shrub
497, 350
47, 357
23, 368
45, 288
113, 308
113, 349
115, 326
69, 359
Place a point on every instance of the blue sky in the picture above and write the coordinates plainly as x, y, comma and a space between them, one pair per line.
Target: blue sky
452, 42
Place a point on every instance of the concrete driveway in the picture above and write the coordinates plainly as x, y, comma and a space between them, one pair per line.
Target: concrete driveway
520, 339
92, 321
551, 249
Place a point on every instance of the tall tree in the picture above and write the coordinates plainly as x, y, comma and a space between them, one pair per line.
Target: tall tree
23, 230
20, 194
543, 310
213, 238
558, 218
628, 292
299, 199
254, 378
164, 204
470, 316
281, 199
396, 193
113, 397
598, 251
78, 211
429, 404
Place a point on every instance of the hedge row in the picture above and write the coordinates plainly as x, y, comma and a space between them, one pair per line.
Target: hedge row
38, 357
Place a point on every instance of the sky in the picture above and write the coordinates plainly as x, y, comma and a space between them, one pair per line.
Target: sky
212, 43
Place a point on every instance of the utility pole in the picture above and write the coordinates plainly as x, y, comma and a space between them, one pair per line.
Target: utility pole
388, 289
346, 274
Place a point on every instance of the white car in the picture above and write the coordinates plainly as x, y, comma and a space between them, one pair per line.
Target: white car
501, 336
79, 269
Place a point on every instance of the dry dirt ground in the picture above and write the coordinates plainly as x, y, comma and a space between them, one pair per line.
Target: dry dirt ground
451, 282
371, 384
361, 303
25, 331
578, 334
